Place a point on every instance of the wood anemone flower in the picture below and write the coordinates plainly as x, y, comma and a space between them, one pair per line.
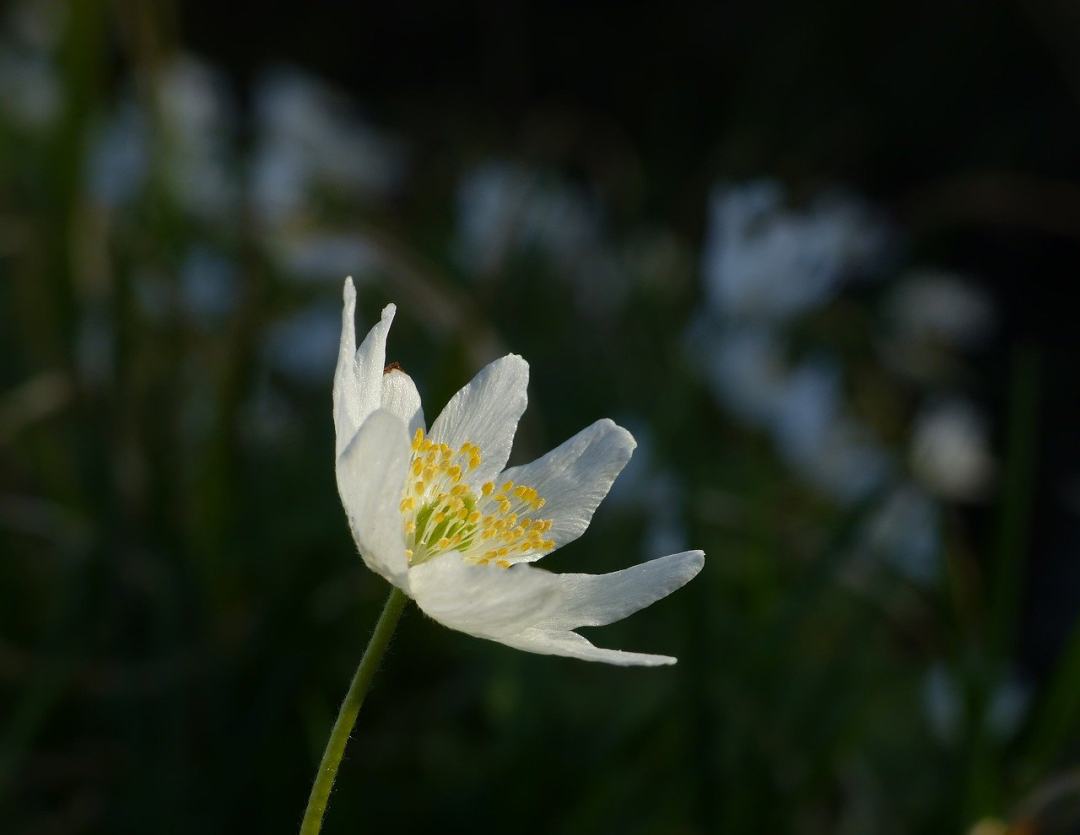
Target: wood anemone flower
434, 511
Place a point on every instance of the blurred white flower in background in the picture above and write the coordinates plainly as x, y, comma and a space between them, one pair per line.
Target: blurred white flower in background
943, 703
847, 464
311, 141
197, 116
933, 304
950, 451
764, 264
507, 209
800, 406
197, 125
930, 315
119, 157
504, 206
815, 434
904, 533
808, 406
315, 155
763, 260
490, 200
746, 368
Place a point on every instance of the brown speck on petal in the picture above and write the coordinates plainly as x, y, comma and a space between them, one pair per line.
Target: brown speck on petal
394, 366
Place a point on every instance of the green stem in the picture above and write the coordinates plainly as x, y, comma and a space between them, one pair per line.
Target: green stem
346, 718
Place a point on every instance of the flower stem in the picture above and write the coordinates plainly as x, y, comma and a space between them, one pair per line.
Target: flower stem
350, 707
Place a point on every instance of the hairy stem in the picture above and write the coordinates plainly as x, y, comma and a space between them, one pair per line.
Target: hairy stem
350, 707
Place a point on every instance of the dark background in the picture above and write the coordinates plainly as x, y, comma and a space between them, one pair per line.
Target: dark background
181, 603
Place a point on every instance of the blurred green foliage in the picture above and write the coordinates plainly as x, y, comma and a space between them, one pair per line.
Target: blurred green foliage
182, 605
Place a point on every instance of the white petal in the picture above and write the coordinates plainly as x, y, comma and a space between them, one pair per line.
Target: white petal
486, 412
575, 476
358, 378
400, 397
600, 599
531, 609
482, 600
572, 645
370, 476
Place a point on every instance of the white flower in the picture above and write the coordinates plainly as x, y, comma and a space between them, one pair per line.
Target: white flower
311, 142
763, 260
932, 305
434, 512
950, 451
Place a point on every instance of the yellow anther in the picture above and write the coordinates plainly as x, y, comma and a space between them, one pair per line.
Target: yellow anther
408, 553
455, 510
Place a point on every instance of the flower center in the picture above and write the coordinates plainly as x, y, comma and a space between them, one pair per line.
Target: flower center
441, 510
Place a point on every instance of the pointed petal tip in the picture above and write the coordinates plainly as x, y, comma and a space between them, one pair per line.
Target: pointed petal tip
517, 359
389, 311
693, 561
626, 434
350, 289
